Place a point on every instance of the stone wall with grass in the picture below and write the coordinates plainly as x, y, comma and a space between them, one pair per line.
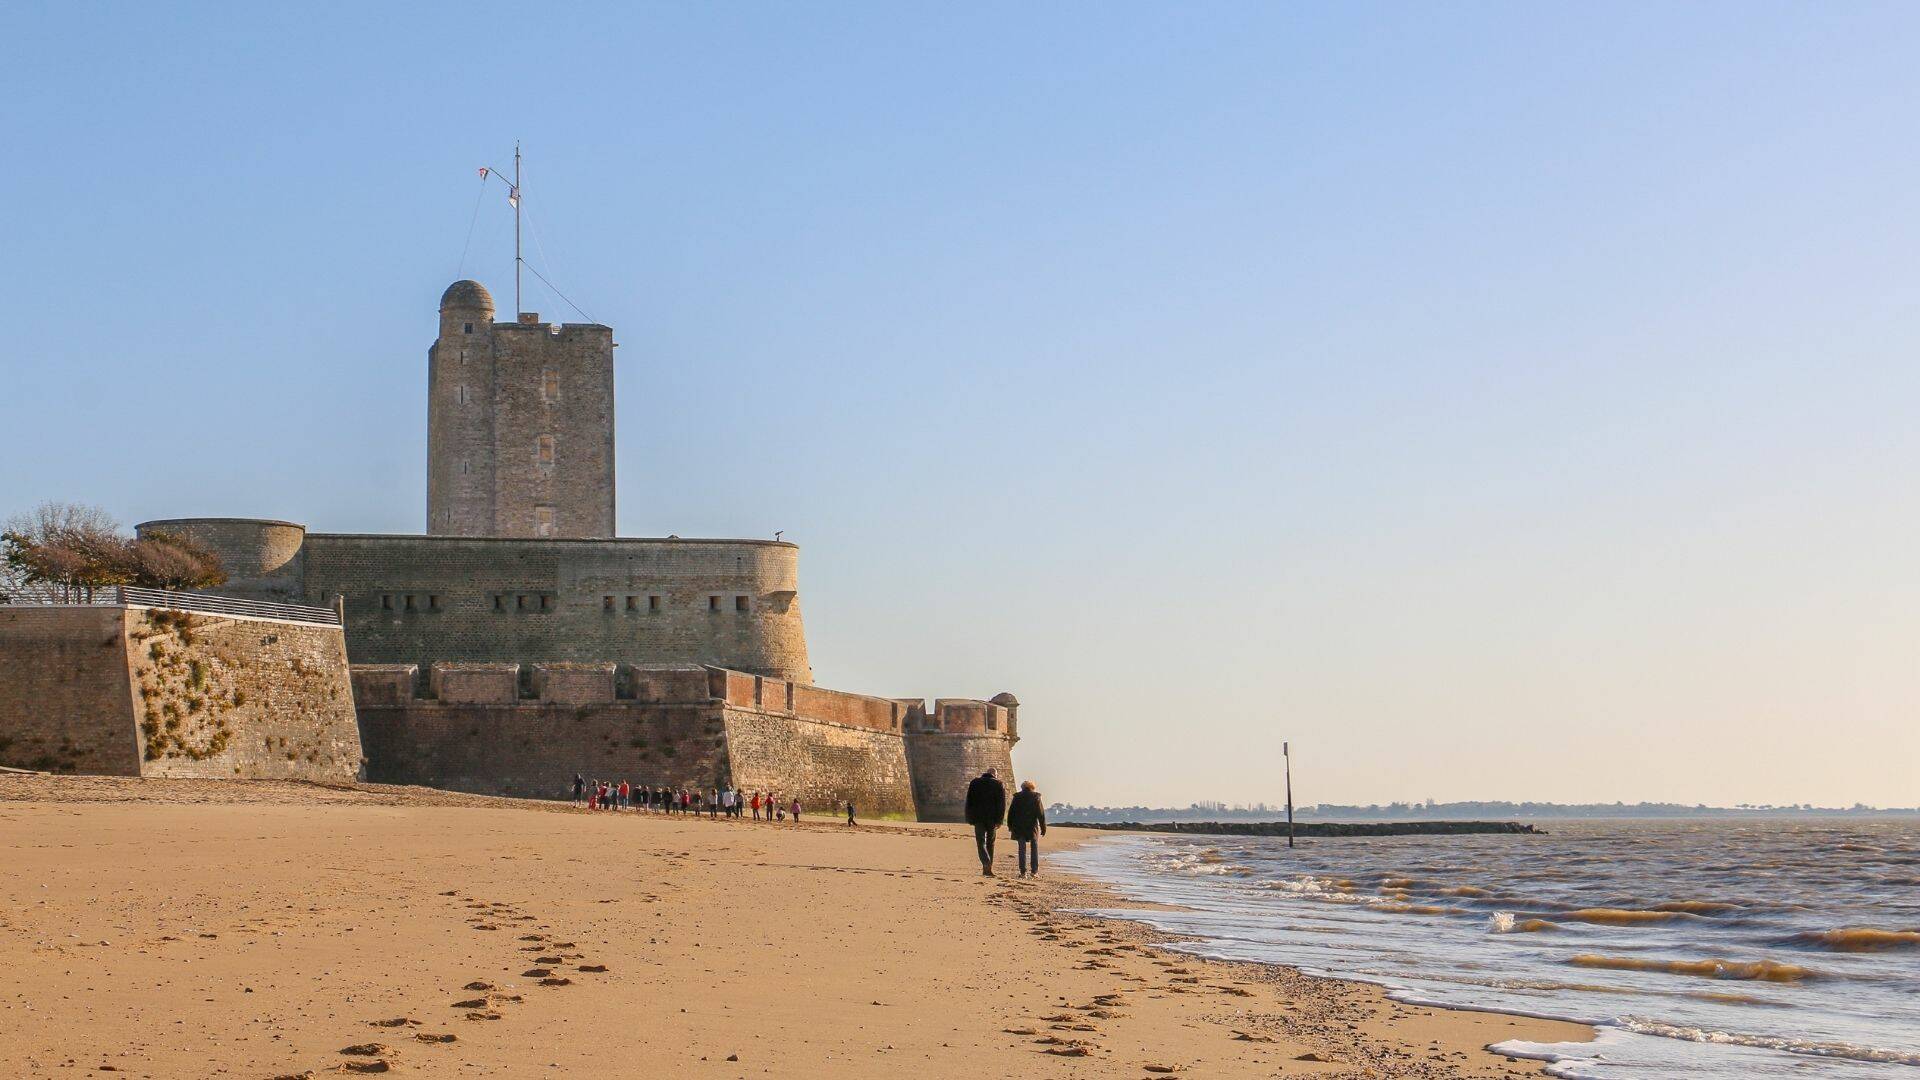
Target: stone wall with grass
138, 691
225, 696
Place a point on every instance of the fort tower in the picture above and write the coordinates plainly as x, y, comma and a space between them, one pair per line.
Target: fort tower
519, 423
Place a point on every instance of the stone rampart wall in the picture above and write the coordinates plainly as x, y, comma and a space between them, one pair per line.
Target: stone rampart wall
146, 691
824, 765
534, 749
249, 698
507, 730
66, 702
420, 599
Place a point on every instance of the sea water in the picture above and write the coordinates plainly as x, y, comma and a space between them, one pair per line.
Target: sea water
1700, 948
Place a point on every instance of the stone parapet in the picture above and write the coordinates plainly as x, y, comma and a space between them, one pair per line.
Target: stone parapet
476, 684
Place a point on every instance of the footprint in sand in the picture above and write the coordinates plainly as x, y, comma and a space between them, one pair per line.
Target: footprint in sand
593, 967
533, 937
1020, 1031
432, 1037
366, 1049
547, 959
483, 1016
398, 1021
556, 981
485, 926
1160, 1068
367, 1067
479, 984
536, 973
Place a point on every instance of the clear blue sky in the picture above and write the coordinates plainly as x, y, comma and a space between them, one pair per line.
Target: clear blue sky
1497, 400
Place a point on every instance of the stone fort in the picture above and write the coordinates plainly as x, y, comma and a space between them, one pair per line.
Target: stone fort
519, 641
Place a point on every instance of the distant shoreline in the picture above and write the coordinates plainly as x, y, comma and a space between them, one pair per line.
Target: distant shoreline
1308, 828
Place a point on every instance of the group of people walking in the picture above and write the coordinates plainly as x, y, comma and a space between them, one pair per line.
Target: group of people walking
1025, 817
714, 802
987, 808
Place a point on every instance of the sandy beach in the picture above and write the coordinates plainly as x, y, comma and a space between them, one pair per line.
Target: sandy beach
210, 928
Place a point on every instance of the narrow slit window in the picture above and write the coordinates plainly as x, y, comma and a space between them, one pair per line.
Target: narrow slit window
409, 601
519, 603
740, 604
543, 450
499, 602
606, 604
653, 604
543, 521
550, 386
386, 601
433, 601
713, 603
468, 329
546, 602
633, 603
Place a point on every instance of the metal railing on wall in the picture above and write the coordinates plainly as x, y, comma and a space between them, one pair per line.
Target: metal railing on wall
130, 596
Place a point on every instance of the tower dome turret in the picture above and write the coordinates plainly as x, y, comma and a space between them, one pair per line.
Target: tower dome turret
467, 295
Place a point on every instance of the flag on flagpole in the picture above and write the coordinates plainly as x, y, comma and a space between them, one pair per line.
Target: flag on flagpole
483, 172
513, 198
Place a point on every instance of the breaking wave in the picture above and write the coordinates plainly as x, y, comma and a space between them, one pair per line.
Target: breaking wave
1761, 970
1856, 939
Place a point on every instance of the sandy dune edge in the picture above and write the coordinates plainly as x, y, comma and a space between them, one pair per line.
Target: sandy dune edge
187, 929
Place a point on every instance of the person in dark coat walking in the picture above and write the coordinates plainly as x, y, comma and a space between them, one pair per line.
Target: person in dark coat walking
986, 809
1027, 823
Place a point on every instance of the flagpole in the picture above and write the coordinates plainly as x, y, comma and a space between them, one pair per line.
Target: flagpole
516, 230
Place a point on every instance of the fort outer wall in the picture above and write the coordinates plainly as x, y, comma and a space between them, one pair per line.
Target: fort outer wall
502, 729
423, 599
957, 741
126, 690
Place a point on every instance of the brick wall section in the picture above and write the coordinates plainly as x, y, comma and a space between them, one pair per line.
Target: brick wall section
66, 702
279, 692
536, 601
856, 710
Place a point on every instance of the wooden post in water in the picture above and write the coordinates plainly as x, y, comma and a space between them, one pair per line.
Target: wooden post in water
1286, 755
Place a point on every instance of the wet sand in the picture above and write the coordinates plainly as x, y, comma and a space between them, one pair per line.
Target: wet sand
203, 928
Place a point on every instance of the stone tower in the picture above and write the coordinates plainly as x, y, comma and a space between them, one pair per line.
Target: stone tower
519, 423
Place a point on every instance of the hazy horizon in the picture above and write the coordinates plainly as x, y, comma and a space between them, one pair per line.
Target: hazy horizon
1495, 402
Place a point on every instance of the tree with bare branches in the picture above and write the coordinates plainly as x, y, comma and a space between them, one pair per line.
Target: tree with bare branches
64, 551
